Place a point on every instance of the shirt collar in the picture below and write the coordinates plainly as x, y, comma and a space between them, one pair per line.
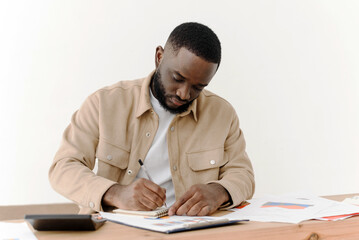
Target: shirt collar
145, 104
191, 109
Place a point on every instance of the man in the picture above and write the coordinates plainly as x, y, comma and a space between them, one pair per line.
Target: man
188, 138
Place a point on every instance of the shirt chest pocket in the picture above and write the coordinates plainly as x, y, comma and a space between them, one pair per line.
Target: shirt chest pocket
112, 161
205, 165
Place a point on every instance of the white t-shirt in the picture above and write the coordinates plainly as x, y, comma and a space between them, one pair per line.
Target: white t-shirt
157, 160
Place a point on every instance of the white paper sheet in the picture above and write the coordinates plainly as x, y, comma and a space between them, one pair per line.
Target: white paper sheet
291, 208
337, 209
353, 200
18, 231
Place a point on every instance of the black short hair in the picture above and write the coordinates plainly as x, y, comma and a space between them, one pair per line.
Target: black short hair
198, 39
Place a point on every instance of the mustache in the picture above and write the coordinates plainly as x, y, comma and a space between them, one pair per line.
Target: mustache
178, 99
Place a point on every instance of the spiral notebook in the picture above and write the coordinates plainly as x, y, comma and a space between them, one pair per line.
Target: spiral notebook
159, 212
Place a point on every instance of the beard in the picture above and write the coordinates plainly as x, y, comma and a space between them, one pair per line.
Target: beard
160, 94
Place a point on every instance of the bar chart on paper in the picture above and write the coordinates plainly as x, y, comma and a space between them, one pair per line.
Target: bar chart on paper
286, 205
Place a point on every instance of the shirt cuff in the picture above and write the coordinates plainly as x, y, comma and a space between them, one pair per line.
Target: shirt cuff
96, 192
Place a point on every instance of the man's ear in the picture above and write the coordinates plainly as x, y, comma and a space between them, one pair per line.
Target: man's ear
158, 55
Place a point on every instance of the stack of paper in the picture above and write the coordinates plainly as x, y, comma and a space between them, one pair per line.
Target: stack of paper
353, 200
293, 208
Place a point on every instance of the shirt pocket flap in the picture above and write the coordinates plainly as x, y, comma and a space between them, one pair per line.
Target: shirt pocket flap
203, 160
112, 154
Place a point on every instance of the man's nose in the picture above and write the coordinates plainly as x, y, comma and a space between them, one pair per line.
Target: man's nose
183, 93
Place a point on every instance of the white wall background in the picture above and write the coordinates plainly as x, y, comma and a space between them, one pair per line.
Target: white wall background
290, 68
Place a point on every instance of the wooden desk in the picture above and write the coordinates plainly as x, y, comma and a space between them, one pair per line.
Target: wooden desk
312, 230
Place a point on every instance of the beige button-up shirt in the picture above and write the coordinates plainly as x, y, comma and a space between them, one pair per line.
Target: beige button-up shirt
117, 125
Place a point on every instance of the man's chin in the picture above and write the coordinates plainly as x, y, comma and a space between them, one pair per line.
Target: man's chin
172, 108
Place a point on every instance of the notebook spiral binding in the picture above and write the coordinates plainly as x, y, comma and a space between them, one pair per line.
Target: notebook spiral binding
162, 213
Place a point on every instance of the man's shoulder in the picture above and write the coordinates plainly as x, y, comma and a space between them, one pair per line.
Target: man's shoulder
123, 85
211, 106
120, 88
210, 98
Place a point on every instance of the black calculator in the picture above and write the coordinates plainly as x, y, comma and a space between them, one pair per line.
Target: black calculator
65, 222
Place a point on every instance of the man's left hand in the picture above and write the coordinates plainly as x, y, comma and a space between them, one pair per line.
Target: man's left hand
200, 200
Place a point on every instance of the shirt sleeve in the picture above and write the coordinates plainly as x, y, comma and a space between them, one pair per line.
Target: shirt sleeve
236, 176
71, 171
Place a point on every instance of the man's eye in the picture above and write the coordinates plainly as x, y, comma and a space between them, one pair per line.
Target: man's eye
177, 80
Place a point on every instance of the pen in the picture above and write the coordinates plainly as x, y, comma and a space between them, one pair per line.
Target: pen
146, 172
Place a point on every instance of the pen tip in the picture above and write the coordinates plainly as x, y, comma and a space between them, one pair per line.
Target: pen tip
140, 161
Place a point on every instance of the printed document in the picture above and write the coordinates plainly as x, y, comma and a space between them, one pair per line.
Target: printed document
18, 231
292, 208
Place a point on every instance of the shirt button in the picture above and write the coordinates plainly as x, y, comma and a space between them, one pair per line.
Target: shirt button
129, 172
92, 205
174, 168
148, 134
212, 162
109, 157
172, 128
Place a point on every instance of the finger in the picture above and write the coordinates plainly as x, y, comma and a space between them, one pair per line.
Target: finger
139, 199
190, 207
195, 209
141, 207
161, 192
151, 199
184, 203
158, 194
205, 211
178, 203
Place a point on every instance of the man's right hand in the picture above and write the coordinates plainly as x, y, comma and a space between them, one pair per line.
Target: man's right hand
142, 194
